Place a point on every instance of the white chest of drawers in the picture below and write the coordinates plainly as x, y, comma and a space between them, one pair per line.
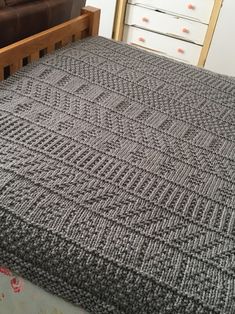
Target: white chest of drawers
179, 29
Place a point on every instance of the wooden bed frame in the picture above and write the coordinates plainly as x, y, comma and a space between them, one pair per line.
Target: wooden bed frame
15, 56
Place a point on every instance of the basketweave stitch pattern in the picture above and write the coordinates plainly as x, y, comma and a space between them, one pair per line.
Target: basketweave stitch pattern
117, 180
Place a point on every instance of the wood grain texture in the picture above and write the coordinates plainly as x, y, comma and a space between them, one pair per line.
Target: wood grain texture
94, 15
210, 32
1, 74
87, 25
119, 19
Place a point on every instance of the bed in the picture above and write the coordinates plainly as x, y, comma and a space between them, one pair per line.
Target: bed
117, 179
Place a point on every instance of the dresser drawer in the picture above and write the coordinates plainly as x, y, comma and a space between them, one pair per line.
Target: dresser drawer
199, 10
166, 24
161, 44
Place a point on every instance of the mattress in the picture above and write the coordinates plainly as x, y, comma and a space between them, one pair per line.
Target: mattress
117, 181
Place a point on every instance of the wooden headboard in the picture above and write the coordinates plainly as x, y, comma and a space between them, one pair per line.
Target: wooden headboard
15, 56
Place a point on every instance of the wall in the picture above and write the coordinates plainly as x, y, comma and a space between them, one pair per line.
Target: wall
221, 56
107, 15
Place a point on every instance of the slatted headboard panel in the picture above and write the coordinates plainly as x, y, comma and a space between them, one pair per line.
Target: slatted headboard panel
14, 56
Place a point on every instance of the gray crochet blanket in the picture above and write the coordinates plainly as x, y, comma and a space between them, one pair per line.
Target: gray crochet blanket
117, 181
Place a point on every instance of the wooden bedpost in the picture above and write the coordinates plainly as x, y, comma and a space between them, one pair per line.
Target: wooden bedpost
94, 20
14, 56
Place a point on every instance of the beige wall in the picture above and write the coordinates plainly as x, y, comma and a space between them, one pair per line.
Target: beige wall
221, 57
107, 15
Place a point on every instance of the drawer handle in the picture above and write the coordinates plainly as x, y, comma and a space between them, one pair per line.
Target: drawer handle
191, 6
185, 30
180, 50
141, 39
145, 19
